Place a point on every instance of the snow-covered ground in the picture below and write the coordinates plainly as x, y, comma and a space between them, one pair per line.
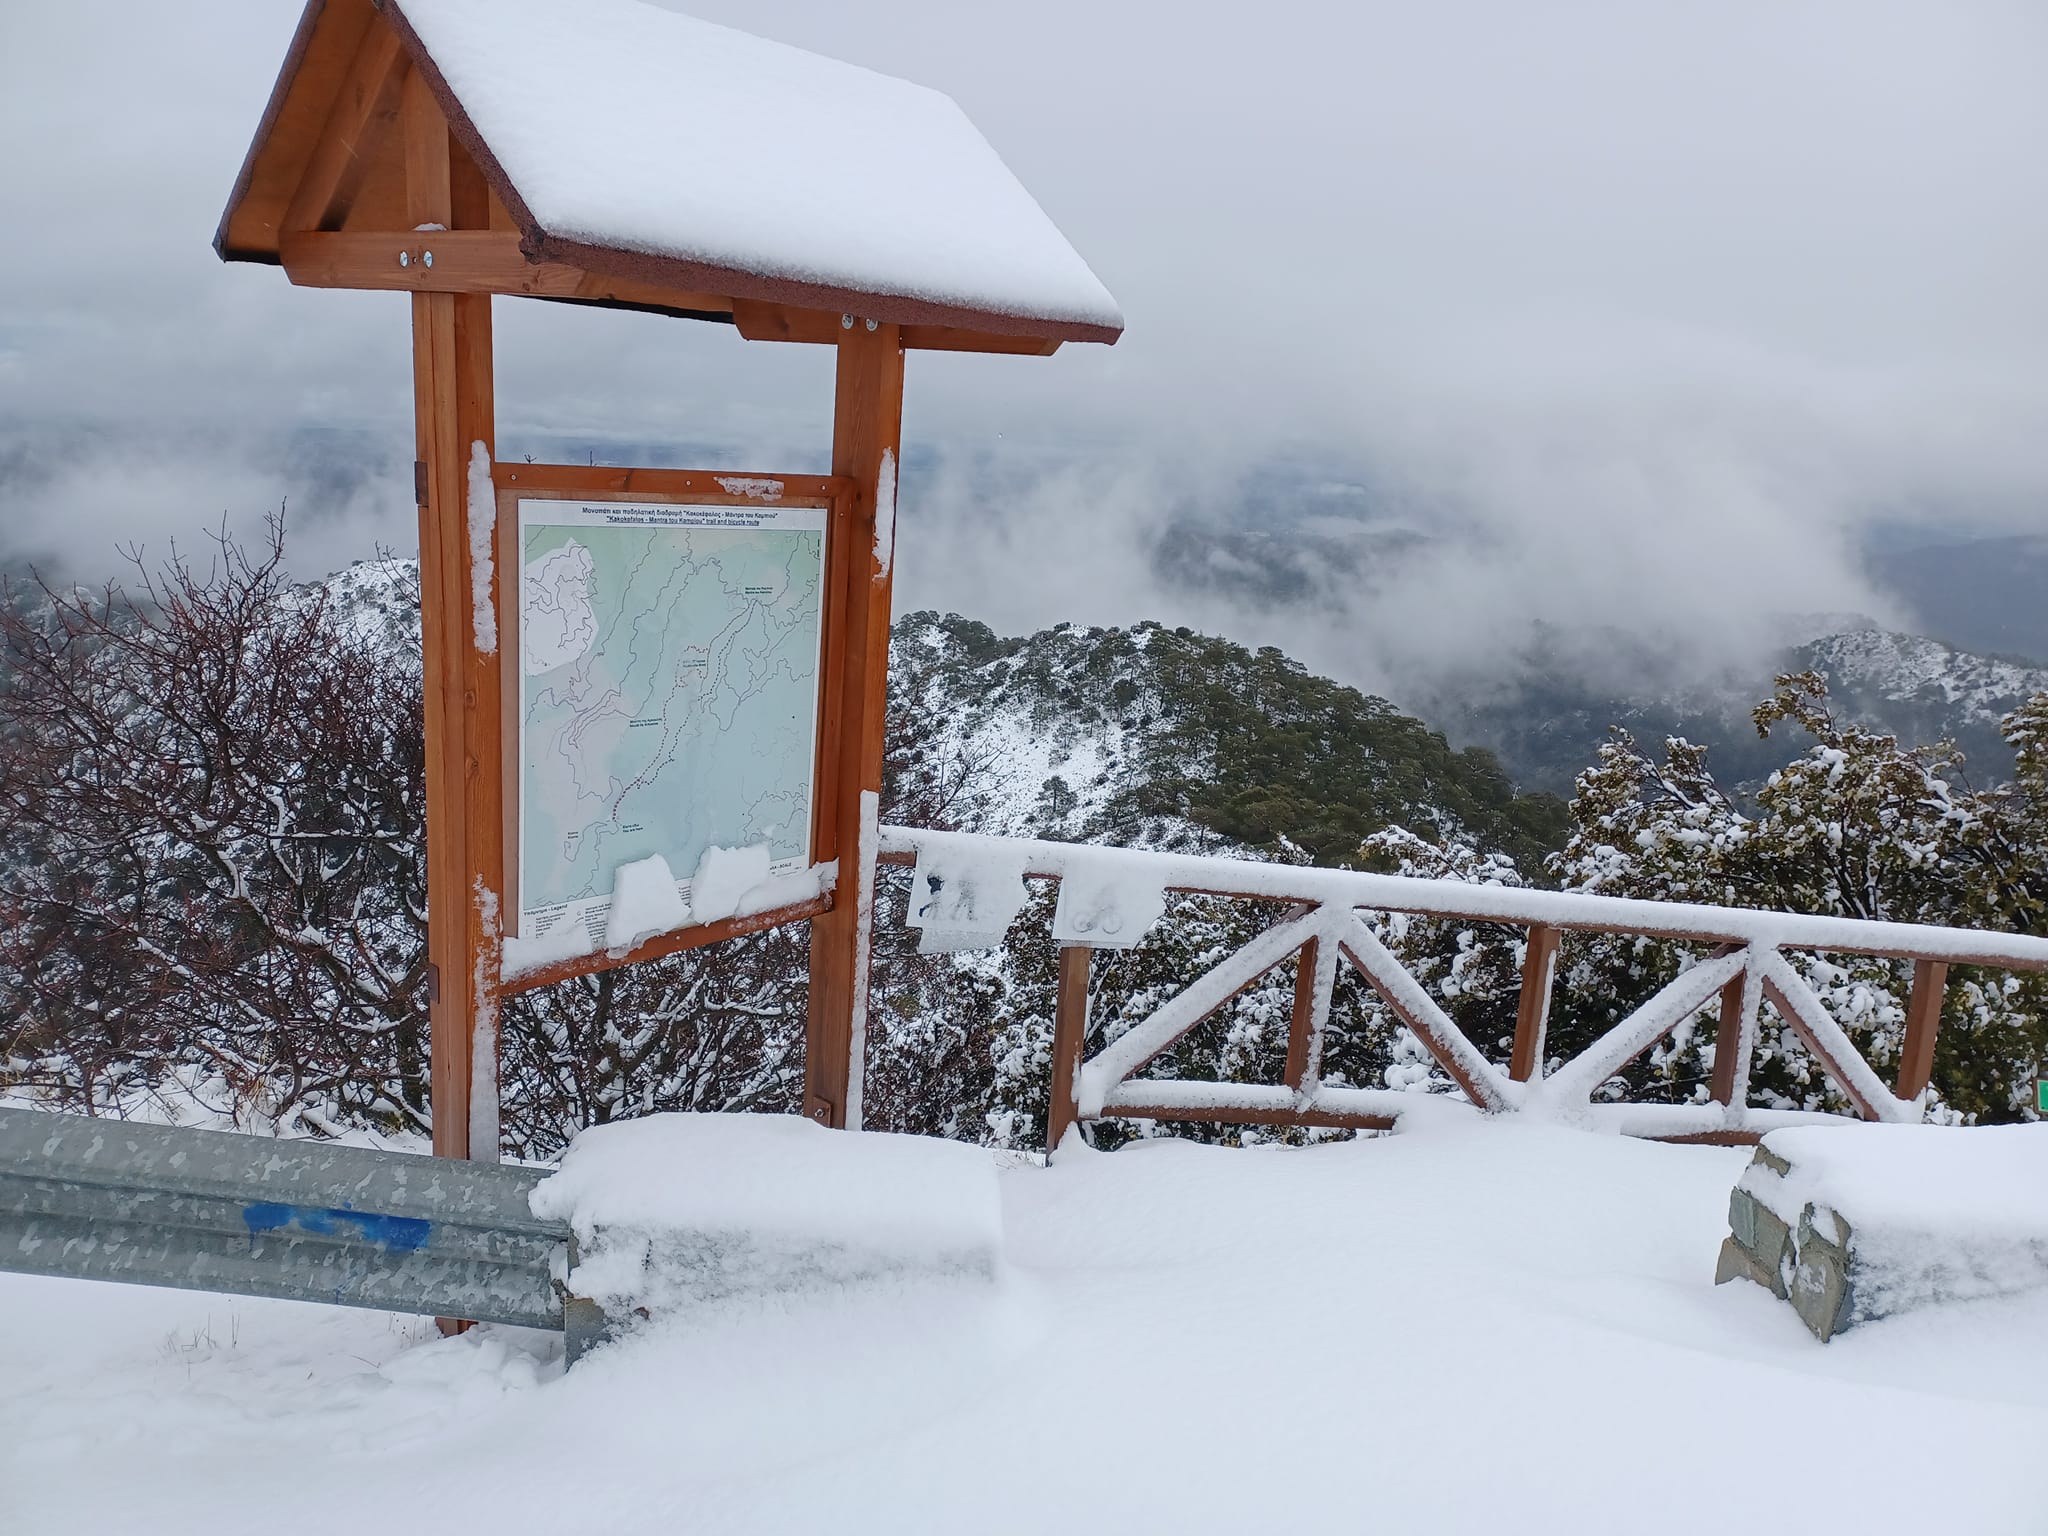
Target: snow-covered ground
1467, 1326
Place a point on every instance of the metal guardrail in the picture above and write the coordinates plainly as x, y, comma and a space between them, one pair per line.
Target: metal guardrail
306, 1221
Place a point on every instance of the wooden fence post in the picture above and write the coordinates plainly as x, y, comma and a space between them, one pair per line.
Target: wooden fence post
1301, 1026
453, 410
1923, 1022
1532, 1008
1727, 1040
867, 426
1069, 1038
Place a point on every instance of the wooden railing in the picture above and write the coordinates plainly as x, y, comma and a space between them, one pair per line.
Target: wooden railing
1323, 927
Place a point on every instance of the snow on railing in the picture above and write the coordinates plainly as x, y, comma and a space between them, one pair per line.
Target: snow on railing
968, 888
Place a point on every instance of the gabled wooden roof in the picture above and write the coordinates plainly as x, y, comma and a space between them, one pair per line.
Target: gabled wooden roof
764, 184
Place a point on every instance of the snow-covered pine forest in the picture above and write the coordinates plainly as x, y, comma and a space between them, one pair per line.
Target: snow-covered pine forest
214, 878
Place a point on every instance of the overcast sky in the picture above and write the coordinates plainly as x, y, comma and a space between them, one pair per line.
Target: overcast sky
1655, 304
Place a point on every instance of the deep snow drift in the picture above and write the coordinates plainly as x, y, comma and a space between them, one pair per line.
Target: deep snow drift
1471, 1325
671, 1211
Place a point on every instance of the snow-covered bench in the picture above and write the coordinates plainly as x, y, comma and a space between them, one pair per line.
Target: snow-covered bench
1856, 1222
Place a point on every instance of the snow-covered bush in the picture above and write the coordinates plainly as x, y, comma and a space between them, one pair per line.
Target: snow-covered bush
212, 871
1856, 826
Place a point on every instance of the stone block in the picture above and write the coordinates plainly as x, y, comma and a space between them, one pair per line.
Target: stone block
1761, 1235
1821, 1291
1773, 1237
1742, 1217
1823, 1288
1738, 1263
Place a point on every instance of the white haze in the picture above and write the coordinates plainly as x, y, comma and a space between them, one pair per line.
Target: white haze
1644, 314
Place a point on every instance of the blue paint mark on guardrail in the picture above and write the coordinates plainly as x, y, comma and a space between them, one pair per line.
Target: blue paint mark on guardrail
396, 1234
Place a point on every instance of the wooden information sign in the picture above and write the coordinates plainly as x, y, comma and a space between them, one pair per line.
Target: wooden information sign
454, 150
671, 642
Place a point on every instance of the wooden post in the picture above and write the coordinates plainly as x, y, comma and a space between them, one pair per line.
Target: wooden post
1069, 1038
867, 426
1532, 1010
1727, 1037
452, 401
1301, 1027
1923, 1022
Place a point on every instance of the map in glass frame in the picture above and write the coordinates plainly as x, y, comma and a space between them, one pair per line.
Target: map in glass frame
669, 659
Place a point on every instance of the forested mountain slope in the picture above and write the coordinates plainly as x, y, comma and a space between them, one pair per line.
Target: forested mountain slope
1160, 736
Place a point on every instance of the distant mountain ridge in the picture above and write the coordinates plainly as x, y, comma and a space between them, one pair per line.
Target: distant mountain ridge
1548, 727
1984, 595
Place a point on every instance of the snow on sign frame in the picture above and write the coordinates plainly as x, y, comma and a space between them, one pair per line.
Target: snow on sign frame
674, 640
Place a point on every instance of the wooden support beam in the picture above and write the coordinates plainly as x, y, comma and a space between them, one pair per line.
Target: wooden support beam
1302, 1024
954, 338
466, 261
867, 426
1532, 1008
1202, 1000
1069, 1038
489, 259
1923, 1022
666, 944
429, 185
1437, 1030
365, 109
1711, 1139
469, 194
716, 487
453, 411
1424, 1030
759, 320
1225, 1115
324, 53
1810, 1036
1728, 1040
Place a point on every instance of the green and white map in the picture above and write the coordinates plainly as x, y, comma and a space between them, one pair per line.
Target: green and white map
669, 693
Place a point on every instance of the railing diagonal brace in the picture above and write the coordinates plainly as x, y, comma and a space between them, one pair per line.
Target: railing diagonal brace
1313, 986
1678, 1000
1209, 992
1419, 1011
1831, 1046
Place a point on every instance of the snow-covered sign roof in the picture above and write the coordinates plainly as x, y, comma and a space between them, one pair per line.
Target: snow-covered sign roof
631, 140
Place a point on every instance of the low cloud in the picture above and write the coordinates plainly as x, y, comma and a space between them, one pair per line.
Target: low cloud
1601, 318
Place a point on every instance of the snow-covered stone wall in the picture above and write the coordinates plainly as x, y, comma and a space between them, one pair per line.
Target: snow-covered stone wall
1858, 1222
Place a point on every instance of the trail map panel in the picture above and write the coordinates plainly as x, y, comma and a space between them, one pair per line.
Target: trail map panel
668, 693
